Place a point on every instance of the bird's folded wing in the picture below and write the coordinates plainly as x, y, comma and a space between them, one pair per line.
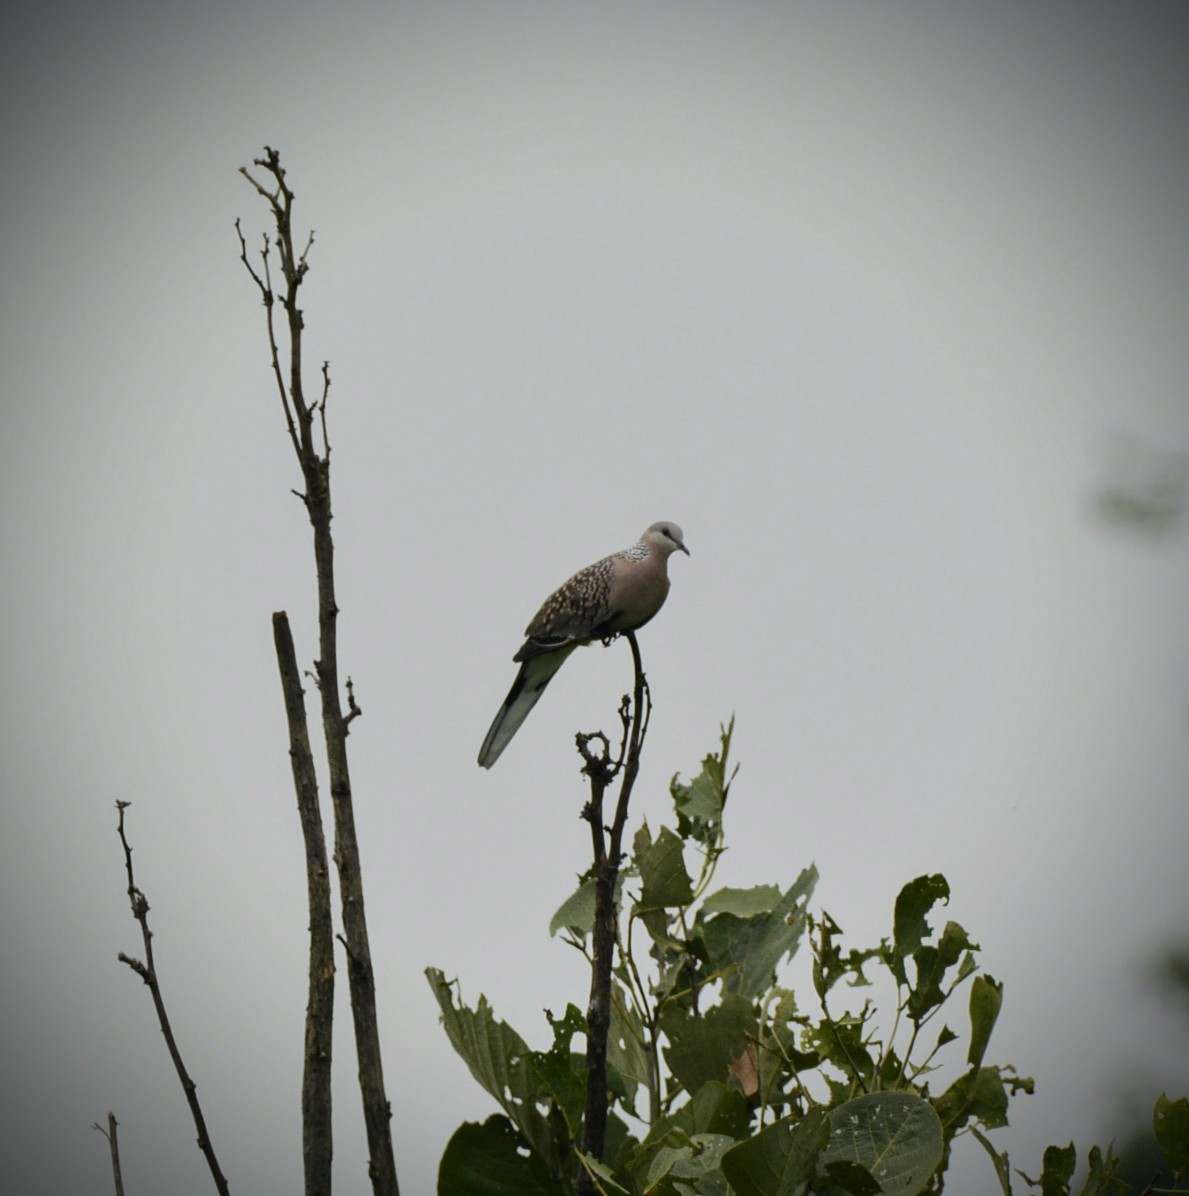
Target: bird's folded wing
574, 611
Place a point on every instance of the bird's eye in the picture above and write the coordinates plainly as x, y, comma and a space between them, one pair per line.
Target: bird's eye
666, 533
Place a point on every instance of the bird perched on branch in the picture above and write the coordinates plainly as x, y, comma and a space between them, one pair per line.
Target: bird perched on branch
619, 593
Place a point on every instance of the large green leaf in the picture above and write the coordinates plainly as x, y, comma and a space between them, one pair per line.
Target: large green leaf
665, 882
780, 1159
743, 903
486, 1160
747, 950
896, 1136
501, 1062
701, 1049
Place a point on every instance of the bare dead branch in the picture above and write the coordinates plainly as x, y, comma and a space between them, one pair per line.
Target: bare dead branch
147, 971
315, 468
317, 1128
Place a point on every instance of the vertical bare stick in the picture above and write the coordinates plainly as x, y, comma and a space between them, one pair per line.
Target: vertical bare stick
147, 971
607, 859
317, 1138
306, 424
113, 1143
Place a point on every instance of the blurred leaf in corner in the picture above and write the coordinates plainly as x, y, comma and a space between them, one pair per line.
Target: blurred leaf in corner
1141, 486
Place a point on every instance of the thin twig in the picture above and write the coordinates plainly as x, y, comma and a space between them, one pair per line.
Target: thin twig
114, 1145
353, 708
147, 971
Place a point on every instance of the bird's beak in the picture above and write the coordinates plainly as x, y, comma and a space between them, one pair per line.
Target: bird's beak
683, 548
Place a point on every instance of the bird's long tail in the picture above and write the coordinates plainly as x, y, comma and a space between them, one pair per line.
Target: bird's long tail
530, 683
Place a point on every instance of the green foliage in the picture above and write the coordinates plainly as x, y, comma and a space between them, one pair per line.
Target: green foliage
1171, 1124
721, 1079
1060, 1163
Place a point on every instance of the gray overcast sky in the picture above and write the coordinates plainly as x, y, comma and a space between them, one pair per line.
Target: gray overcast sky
860, 294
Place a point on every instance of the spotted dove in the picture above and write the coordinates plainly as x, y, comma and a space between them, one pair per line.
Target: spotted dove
619, 593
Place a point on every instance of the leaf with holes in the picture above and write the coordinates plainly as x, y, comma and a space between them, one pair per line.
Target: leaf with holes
896, 1136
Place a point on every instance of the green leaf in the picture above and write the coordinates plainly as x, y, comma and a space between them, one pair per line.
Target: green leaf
501, 1062
986, 999
978, 1095
1170, 1121
701, 1049
910, 925
699, 805
891, 1071
717, 1109
696, 1162
841, 1041
1100, 1175
577, 912
896, 1136
853, 1178
932, 964
743, 903
713, 1109
780, 1158
560, 1073
830, 965
627, 1060
641, 842
662, 871
746, 951
604, 1176
1059, 1164
486, 1160
999, 1161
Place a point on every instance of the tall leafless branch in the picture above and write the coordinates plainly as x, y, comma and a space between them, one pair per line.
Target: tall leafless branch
146, 969
314, 461
317, 1138
607, 849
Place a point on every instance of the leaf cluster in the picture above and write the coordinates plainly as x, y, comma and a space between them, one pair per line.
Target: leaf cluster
722, 1078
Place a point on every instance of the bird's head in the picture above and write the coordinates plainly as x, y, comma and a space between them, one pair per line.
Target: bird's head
666, 537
